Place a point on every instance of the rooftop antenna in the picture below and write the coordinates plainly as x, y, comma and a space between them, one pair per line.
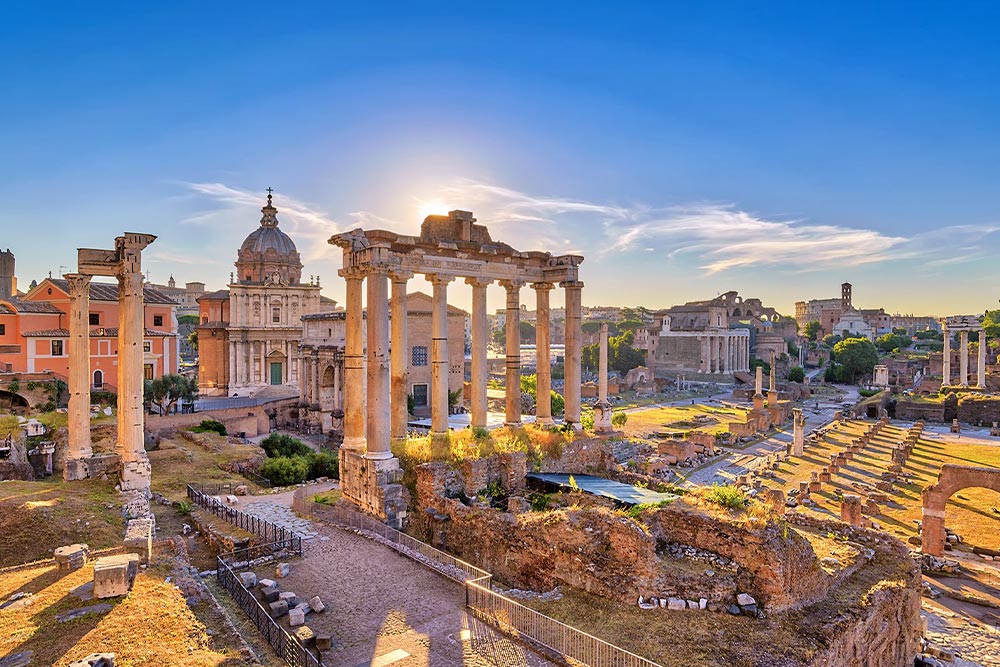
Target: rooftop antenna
62, 268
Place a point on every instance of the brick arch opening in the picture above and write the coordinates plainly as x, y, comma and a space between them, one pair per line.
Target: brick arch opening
951, 479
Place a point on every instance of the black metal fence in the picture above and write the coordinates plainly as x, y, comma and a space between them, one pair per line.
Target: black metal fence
288, 647
206, 497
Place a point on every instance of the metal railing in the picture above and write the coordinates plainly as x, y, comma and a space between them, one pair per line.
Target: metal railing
204, 497
546, 635
288, 647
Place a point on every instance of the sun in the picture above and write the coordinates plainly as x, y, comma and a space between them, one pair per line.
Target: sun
431, 207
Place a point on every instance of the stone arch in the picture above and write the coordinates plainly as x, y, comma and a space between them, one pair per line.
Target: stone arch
13, 400
736, 313
952, 478
327, 389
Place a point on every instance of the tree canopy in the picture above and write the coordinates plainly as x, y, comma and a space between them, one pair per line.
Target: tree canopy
622, 356
892, 341
796, 374
164, 392
812, 329
857, 357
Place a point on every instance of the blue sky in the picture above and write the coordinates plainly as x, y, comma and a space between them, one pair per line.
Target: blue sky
686, 149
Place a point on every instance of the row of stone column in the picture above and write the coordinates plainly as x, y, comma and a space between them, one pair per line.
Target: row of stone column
725, 352
242, 358
963, 360
371, 427
311, 369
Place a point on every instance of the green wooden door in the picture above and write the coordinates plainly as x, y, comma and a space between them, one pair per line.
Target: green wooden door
276, 373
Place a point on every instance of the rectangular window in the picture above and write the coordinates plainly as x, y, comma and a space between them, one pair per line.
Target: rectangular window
3, 329
157, 320
420, 396
57, 348
95, 319
147, 346
147, 371
418, 356
276, 315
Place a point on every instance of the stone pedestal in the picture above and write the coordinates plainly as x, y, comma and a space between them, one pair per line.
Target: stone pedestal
113, 575
373, 486
72, 557
850, 510
798, 432
139, 537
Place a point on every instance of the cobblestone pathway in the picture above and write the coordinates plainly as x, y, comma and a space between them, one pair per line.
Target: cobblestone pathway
385, 609
281, 515
974, 643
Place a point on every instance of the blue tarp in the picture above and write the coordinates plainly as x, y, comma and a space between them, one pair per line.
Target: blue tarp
598, 486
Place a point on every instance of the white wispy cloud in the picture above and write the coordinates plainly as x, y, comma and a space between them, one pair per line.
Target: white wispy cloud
715, 236
235, 209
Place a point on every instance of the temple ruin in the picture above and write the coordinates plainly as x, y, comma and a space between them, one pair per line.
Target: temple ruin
448, 247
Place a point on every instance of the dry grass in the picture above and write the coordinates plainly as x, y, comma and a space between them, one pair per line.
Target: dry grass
466, 444
152, 626
680, 419
968, 511
179, 461
37, 517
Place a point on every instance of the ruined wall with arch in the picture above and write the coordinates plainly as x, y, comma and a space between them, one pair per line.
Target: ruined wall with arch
952, 478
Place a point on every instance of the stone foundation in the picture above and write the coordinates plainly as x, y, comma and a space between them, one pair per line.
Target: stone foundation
374, 486
139, 537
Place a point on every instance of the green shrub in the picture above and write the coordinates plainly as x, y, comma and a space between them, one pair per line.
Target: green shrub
869, 392
210, 426
279, 444
323, 464
539, 501
285, 470
727, 496
184, 507
619, 419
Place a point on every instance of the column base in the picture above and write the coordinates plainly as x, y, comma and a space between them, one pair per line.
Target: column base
75, 470
602, 417
378, 456
373, 485
357, 444
544, 421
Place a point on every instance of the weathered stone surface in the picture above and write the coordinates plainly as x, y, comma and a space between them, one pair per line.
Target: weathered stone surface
95, 660
316, 604
113, 575
744, 599
72, 557
248, 579
268, 583
269, 593
21, 659
289, 597
277, 609
281, 570
676, 604
83, 611
323, 641
306, 635
139, 537
296, 617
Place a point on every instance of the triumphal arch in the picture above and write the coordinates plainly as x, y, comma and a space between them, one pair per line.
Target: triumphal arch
448, 247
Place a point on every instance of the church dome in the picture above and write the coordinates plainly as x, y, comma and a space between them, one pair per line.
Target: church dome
268, 254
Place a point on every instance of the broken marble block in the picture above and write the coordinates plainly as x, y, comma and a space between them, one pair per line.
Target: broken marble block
316, 604
95, 660
269, 593
248, 579
291, 598
281, 571
113, 575
278, 609
296, 617
72, 557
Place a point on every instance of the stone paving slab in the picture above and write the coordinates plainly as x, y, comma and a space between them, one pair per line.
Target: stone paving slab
281, 515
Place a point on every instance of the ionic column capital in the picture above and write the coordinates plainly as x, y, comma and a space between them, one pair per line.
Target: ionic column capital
438, 278
512, 285
400, 275
479, 282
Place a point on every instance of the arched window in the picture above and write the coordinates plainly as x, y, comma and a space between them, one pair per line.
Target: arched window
98, 379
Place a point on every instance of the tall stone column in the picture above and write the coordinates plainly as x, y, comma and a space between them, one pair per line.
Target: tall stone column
798, 431
981, 371
480, 334
963, 359
574, 349
439, 354
602, 410
512, 330
703, 346
946, 359
130, 367
543, 367
80, 447
377, 409
400, 355
317, 375
354, 368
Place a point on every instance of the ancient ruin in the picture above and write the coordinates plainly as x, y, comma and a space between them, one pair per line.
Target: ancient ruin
951, 479
963, 324
448, 247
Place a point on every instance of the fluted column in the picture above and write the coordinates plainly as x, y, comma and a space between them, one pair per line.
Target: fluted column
981, 372
963, 358
574, 349
131, 331
400, 355
946, 359
79, 377
543, 366
480, 334
512, 331
354, 371
377, 409
439, 354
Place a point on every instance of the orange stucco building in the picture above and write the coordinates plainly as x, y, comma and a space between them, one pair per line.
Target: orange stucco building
34, 332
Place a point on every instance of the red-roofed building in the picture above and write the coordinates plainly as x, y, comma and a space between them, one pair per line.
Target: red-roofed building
34, 332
